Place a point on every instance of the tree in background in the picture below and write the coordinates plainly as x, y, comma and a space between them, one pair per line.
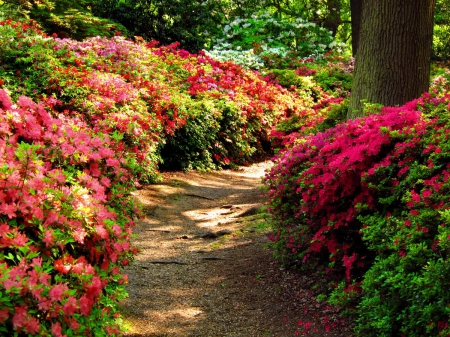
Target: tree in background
393, 57
332, 15
356, 12
191, 23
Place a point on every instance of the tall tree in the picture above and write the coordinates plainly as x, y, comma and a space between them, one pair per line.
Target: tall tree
393, 57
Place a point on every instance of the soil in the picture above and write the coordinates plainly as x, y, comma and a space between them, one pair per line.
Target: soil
205, 268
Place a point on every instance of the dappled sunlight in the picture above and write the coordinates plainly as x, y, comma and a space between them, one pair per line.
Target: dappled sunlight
171, 285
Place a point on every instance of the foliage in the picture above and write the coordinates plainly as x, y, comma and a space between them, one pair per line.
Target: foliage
441, 36
191, 23
308, 81
65, 18
405, 290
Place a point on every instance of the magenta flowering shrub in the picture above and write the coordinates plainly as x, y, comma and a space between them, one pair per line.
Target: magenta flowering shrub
405, 292
315, 191
66, 217
366, 205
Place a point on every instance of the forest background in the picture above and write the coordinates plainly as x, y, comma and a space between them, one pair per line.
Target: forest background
97, 96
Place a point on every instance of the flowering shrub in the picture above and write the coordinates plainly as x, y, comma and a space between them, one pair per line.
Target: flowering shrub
324, 86
65, 223
247, 58
365, 203
315, 187
152, 97
256, 41
405, 291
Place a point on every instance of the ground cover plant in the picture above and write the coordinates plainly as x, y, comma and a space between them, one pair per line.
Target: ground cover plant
373, 220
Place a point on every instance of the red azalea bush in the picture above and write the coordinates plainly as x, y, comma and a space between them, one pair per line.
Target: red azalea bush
65, 223
366, 204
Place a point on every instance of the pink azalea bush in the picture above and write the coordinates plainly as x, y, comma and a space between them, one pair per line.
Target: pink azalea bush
365, 204
66, 217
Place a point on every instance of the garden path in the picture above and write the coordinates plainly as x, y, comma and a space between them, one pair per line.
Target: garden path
204, 269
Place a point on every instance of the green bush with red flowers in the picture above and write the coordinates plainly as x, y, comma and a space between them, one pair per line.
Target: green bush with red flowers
152, 95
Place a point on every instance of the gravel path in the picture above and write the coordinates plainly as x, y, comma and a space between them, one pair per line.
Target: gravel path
204, 269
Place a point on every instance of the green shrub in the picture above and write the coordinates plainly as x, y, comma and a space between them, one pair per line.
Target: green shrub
65, 18
441, 42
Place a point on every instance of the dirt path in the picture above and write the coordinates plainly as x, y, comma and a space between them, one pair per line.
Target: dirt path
204, 269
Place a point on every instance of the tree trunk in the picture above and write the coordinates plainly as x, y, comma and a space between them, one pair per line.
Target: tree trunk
356, 12
393, 57
333, 19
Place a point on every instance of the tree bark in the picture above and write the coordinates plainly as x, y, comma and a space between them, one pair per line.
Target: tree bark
393, 57
356, 13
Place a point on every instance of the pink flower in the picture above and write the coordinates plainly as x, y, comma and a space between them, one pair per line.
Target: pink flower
70, 306
112, 162
57, 292
85, 305
57, 330
427, 193
48, 238
415, 197
32, 326
4, 314
20, 316
9, 210
19, 240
